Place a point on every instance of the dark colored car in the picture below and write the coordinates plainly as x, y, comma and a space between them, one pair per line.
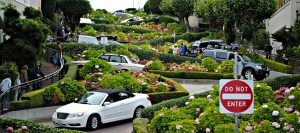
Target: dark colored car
246, 66
199, 46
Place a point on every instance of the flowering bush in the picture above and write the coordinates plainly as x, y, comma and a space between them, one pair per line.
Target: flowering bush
210, 64
269, 111
94, 66
183, 126
88, 54
263, 94
281, 93
293, 98
265, 127
72, 89
225, 128
226, 66
53, 95
196, 106
155, 65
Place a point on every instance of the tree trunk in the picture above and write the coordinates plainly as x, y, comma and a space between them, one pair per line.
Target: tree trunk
187, 24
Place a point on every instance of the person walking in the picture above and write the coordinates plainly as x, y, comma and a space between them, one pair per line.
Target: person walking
56, 55
175, 49
183, 49
268, 51
37, 73
17, 89
24, 79
5, 86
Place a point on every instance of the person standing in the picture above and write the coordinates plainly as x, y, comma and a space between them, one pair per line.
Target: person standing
17, 89
56, 55
268, 50
183, 49
175, 50
37, 73
24, 79
5, 86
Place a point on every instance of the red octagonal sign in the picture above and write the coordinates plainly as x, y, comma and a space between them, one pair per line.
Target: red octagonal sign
236, 96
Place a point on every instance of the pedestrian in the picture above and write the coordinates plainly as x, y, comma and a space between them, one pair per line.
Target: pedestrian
268, 51
285, 58
175, 49
17, 89
24, 79
56, 55
5, 86
183, 49
37, 73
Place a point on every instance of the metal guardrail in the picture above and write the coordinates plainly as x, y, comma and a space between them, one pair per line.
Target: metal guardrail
34, 81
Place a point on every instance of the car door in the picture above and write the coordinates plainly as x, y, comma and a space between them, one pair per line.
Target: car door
115, 62
113, 111
220, 56
125, 64
128, 105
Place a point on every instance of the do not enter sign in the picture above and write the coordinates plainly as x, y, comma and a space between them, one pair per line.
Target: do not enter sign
236, 96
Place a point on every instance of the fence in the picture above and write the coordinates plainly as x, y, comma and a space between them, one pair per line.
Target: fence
11, 92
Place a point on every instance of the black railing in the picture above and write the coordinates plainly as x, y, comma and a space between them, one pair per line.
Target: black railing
12, 90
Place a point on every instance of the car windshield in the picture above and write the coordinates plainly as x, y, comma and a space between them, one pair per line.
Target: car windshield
246, 58
92, 98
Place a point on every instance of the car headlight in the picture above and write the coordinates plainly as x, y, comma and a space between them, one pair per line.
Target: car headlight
258, 67
75, 115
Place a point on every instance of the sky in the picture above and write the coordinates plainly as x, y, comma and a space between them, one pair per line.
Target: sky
113, 5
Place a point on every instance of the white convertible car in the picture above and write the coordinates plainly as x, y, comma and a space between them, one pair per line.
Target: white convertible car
99, 107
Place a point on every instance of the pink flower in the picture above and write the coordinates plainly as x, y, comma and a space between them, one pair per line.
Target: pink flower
249, 128
291, 97
288, 109
197, 121
287, 91
297, 113
287, 127
10, 129
24, 128
178, 127
262, 123
275, 125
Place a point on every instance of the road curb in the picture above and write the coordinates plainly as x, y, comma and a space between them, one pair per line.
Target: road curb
196, 81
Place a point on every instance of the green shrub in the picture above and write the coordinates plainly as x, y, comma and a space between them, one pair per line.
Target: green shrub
9, 68
265, 128
210, 64
293, 99
95, 66
179, 102
227, 66
156, 65
193, 75
71, 89
292, 119
53, 95
212, 117
123, 81
32, 127
35, 97
88, 54
183, 126
162, 96
282, 81
275, 66
140, 125
162, 118
178, 28
200, 103
225, 128
263, 94
20, 104
120, 28
262, 113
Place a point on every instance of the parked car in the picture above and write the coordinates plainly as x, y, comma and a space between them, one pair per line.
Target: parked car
99, 107
132, 20
94, 40
199, 46
246, 66
118, 62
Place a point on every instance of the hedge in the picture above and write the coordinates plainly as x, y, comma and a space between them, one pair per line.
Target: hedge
179, 102
140, 125
160, 20
120, 28
273, 65
282, 81
167, 58
32, 127
193, 75
35, 99
162, 96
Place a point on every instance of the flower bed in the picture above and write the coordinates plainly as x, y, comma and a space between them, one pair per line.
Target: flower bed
276, 111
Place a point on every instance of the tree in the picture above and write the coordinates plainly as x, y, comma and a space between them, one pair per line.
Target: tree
49, 8
166, 7
213, 11
261, 39
32, 13
147, 7
26, 37
183, 9
154, 6
73, 10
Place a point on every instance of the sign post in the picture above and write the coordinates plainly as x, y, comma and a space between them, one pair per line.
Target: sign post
236, 96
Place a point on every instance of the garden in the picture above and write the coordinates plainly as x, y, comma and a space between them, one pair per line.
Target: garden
276, 110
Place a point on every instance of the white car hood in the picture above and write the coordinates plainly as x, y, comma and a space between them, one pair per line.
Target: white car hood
76, 108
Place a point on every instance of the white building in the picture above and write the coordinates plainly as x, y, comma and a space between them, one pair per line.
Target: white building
20, 6
286, 16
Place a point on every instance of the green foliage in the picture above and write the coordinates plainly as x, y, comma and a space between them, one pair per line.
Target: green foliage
263, 94
201, 103
89, 54
178, 28
35, 98
193, 75
210, 64
95, 66
187, 126
71, 89
225, 128
261, 114
293, 101
32, 13
89, 30
162, 118
8, 68
226, 66
276, 66
162, 96
153, 6
265, 128
292, 119
120, 28
54, 96
179, 102
156, 65
32, 126
48, 8
212, 117
282, 81
139, 125
261, 39
123, 81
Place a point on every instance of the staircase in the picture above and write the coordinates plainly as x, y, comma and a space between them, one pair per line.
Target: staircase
48, 68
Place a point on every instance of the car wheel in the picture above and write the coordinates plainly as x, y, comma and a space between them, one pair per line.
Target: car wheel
248, 72
93, 122
138, 112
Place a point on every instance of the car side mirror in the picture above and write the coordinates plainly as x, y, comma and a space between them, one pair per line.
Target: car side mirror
106, 103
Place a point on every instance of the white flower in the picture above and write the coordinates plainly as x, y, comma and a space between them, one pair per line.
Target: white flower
186, 103
275, 113
84, 51
207, 130
292, 129
275, 125
197, 121
291, 97
216, 71
265, 106
161, 114
258, 86
96, 66
198, 110
210, 100
192, 97
249, 128
292, 88
83, 55
209, 96
297, 112
178, 127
